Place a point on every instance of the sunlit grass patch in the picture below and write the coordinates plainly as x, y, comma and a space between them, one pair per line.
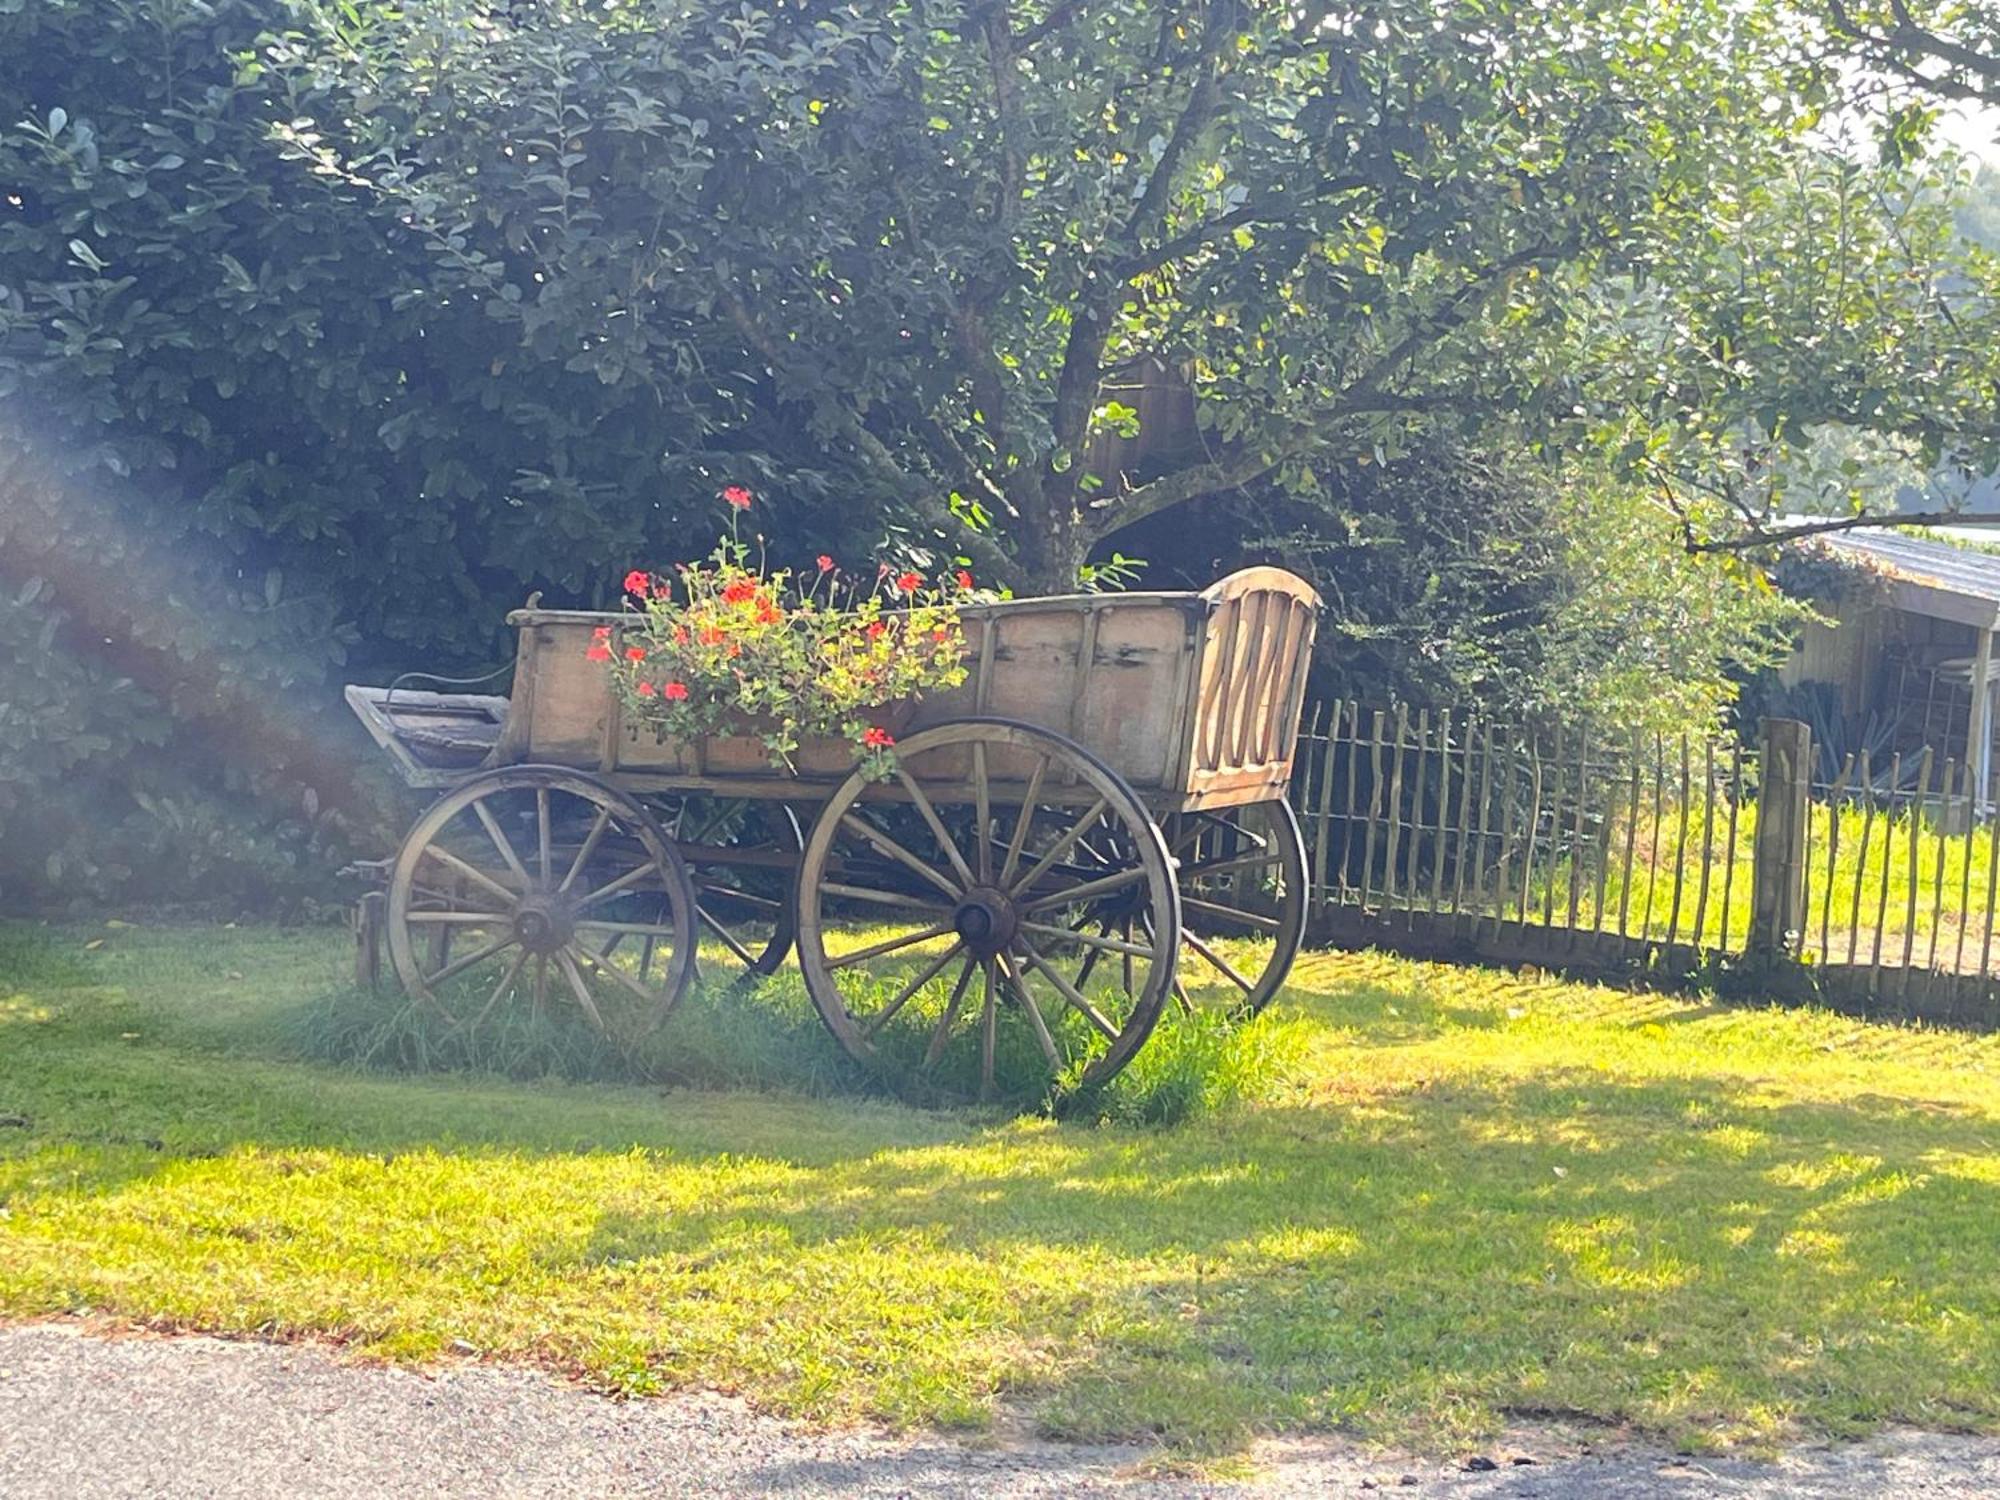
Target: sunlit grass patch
1450, 1195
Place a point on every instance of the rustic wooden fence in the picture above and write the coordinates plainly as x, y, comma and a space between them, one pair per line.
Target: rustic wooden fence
1439, 832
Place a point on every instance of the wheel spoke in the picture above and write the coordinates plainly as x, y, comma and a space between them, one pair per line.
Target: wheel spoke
1088, 939
748, 898
1181, 996
989, 1031
1062, 845
925, 975
982, 797
577, 987
1217, 961
542, 833
493, 831
595, 924
896, 851
472, 873
728, 938
587, 848
479, 955
612, 887
457, 918
936, 824
890, 945
1240, 862
941, 1036
1102, 886
1023, 821
617, 976
1071, 996
1040, 1027
1248, 918
507, 979
881, 898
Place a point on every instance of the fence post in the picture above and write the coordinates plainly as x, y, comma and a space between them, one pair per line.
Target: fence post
1777, 881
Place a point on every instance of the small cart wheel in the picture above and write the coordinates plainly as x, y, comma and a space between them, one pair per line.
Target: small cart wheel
555, 889
945, 917
741, 855
1242, 878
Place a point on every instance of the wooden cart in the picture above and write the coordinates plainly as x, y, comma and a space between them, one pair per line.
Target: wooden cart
1095, 821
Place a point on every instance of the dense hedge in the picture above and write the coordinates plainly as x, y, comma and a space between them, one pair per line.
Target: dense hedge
251, 443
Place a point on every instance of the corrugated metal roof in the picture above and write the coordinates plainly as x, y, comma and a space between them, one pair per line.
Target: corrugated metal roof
1916, 559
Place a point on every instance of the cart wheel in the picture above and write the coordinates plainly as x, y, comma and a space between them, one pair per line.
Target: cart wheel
556, 889
943, 917
742, 855
1242, 878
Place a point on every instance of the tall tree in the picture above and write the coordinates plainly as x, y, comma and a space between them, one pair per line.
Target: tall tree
948, 238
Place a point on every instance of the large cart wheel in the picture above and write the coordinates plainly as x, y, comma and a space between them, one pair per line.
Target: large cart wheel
944, 918
742, 855
1242, 878
539, 887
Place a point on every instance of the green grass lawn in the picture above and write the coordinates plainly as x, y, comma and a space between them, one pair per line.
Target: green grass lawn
1479, 1195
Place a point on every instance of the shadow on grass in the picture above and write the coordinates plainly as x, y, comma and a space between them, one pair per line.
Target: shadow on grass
1712, 1256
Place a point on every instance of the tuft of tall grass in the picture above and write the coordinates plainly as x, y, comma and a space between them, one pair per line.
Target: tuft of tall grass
769, 1038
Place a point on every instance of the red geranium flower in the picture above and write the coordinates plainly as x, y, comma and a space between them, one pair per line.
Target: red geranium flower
965, 580
680, 635
598, 652
875, 628
674, 690
737, 496
602, 633
635, 653
644, 690
878, 738
909, 583
639, 582
825, 563
711, 636
737, 590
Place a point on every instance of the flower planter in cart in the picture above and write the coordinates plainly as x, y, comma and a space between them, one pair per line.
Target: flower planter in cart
1090, 827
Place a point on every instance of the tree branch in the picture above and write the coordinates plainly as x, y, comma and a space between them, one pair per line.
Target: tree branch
1768, 536
1269, 211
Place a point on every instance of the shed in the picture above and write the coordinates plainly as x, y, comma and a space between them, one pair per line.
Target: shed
1909, 650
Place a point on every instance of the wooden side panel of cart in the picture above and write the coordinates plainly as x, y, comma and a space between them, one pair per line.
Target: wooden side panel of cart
1193, 699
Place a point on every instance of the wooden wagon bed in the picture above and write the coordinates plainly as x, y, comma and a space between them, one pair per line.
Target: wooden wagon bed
1192, 698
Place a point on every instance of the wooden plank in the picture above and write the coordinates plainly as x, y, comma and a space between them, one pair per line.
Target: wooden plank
1659, 812
1631, 840
1916, 866
1440, 841
1576, 831
1861, 853
1707, 837
1485, 823
1965, 864
1532, 754
1506, 849
1558, 766
1888, 862
1463, 863
1347, 820
1415, 850
1680, 847
1323, 831
1992, 884
1937, 874
1375, 790
1729, 855
1832, 856
1603, 855
1395, 829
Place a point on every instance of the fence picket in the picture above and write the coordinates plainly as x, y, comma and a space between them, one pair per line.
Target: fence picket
1832, 854
1882, 903
1861, 858
1395, 808
1444, 808
1374, 808
1631, 841
1916, 866
1680, 850
1937, 875
1576, 838
1707, 839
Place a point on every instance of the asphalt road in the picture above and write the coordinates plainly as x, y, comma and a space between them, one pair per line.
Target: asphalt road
85, 1415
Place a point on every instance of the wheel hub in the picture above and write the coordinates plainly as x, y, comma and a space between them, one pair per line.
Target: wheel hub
543, 924
986, 920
